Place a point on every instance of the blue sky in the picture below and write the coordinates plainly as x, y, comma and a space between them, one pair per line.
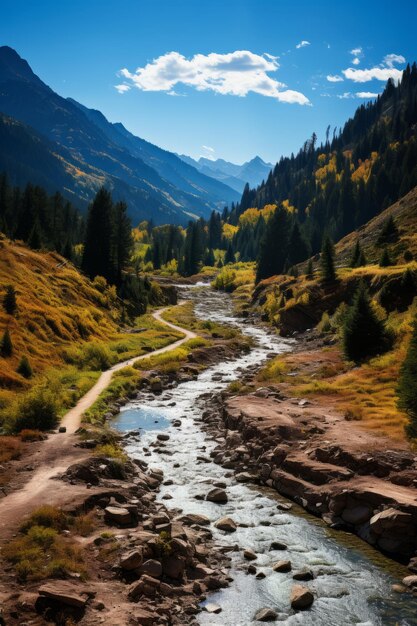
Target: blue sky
230, 78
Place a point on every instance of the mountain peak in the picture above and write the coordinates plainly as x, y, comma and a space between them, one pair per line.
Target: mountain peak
13, 67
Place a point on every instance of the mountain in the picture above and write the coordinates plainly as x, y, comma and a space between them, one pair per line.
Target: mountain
155, 183
235, 176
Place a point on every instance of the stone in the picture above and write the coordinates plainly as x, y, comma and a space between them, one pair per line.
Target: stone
398, 588
244, 477
357, 515
212, 608
282, 566
266, 615
62, 429
410, 581
390, 519
193, 518
117, 515
144, 617
226, 524
173, 566
151, 567
260, 575
156, 385
251, 569
146, 586
278, 545
217, 495
131, 560
249, 554
162, 437
66, 593
301, 598
304, 573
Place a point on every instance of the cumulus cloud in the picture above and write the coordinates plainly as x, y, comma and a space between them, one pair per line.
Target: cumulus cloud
122, 88
383, 71
236, 73
303, 44
356, 61
356, 52
366, 94
334, 78
359, 94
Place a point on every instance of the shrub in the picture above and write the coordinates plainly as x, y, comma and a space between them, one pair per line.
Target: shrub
6, 345
96, 356
385, 260
324, 325
407, 384
31, 435
9, 300
47, 516
36, 409
24, 368
364, 334
408, 256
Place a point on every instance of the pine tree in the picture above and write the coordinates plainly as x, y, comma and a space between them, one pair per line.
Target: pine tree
274, 245
123, 239
389, 231
24, 368
210, 260
9, 300
297, 247
358, 257
229, 257
99, 257
328, 272
385, 260
364, 334
35, 237
6, 345
309, 269
407, 384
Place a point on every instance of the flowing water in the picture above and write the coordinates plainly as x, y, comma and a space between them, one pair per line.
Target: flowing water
352, 583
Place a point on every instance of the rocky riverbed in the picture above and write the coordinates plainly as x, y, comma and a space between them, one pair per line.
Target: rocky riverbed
285, 565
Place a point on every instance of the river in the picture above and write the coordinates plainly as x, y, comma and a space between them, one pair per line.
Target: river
352, 581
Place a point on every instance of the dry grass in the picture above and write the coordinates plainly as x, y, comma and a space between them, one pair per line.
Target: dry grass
10, 448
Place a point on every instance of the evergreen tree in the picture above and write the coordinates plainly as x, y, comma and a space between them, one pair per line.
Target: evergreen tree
24, 368
35, 237
385, 260
364, 334
297, 248
99, 247
123, 239
6, 346
9, 300
274, 245
356, 255
210, 260
389, 232
328, 272
407, 384
309, 269
229, 257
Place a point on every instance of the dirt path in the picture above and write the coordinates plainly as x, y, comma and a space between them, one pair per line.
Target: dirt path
58, 452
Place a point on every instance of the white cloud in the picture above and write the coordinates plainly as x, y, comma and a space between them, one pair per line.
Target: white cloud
383, 72
345, 96
356, 52
236, 74
334, 78
208, 149
122, 88
303, 44
356, 61
366, 94
391, 59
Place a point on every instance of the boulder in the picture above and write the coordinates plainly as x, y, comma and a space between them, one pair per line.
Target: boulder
249, 554
278, 545
217, 495
173, 566
151, 567
282, 566
66, 593
266, 615
304, 573
146, 586
119, 516
156, 385
390, 519
162, 437
212, 608
131, 560
357, 515
410, 581
301, 598
193, 518
226, 524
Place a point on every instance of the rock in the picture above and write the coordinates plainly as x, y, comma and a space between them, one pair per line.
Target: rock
156, 385
260, 575
144, 617
173, 566
304, 573
226, 524
162, 437
398, 588
117, 515
278, 545
147, 586
357, 515
217, 495
62, 429
66, 593
151, 567
251, 569
212, 608
301, 598
390, 519
244, 477
249, 554
266, 615
410, 581
131, 560
193, 518
284, 506
282, 566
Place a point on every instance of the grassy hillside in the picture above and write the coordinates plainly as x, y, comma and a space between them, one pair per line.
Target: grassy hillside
66, 325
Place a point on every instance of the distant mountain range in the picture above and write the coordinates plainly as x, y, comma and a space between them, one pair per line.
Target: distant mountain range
235, 176
63, 145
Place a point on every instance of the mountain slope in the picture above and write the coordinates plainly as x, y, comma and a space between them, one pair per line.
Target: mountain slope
94, 143
235, 176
